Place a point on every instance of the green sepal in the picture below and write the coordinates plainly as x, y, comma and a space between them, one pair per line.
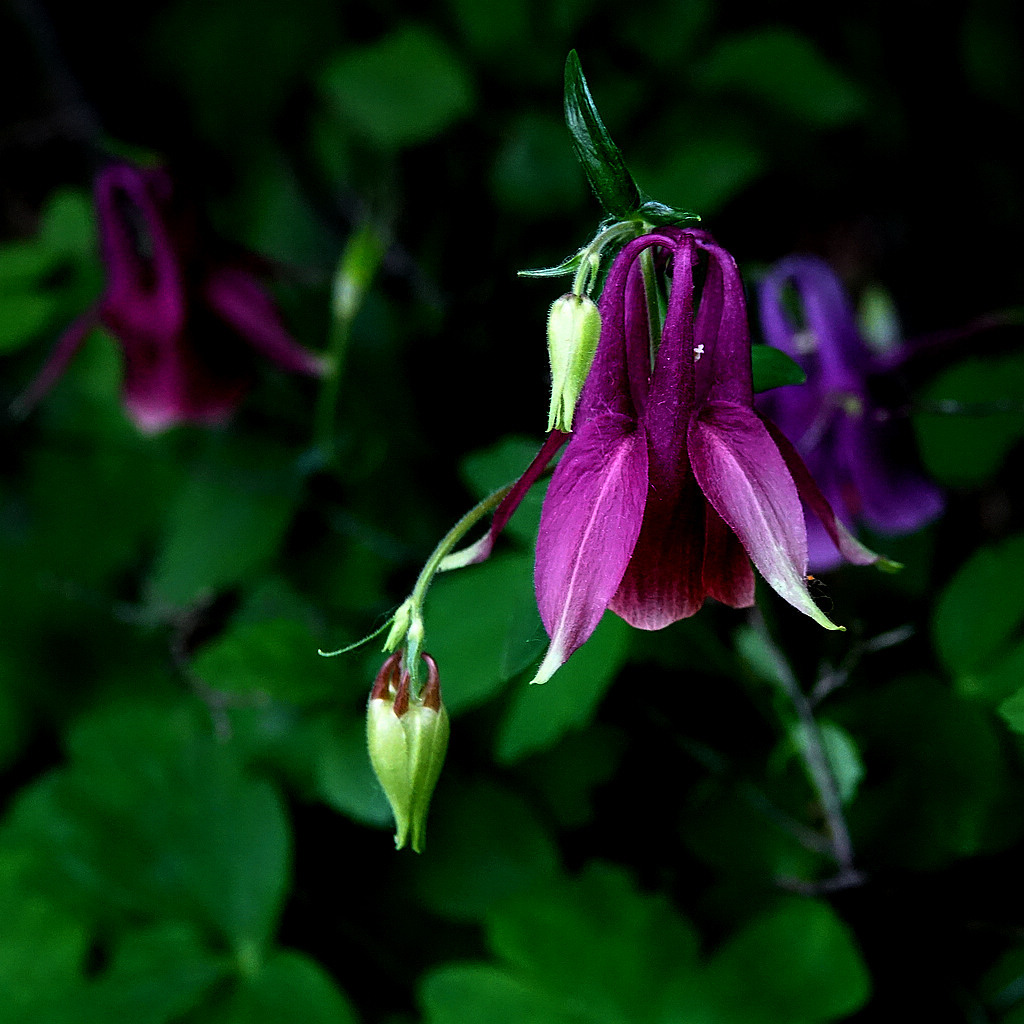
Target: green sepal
567, 266
653, 212
602, 162
772, 368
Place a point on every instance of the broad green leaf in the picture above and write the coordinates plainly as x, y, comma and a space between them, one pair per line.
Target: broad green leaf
43, 946
289, 988
600, 158
156, 975
226, 521
840, 751
23, 265
484, 844
482, 627
538, 716
782, 69
795, 962
944, 792
594, 944
276, 658
534, 170
342, 775
477, 993
568, 776
971, 416
977, 622
401, 90
24, 315
703, 173
68, 225
154, 819
494, 31
772, 368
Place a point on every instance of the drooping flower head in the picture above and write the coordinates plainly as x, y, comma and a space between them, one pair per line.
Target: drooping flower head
186, 321
671, 485
860, 454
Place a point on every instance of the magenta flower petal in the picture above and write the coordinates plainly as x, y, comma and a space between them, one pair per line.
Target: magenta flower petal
589, 525
810, 494
727, 574
747, 482
664, 580
242, 302
859, 452
64, 351
187, 324
893, 497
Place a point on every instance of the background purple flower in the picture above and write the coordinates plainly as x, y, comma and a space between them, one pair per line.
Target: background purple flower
860, 453
186, 320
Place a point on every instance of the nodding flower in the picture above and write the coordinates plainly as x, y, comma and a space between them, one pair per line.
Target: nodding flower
672, 487
188, 323
859, 452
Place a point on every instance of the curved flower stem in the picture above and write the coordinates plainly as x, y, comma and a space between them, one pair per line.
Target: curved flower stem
413, 607
327, 400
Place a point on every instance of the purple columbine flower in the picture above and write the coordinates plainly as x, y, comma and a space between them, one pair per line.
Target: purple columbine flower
671, 484
185, 320
857, 450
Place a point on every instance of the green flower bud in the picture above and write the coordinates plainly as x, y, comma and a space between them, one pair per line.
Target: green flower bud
574, 327
407, 737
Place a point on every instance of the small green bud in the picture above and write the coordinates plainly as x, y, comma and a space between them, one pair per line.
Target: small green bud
407, 737
574, 327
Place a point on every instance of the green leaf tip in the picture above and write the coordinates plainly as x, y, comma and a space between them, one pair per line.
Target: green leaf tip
602, 162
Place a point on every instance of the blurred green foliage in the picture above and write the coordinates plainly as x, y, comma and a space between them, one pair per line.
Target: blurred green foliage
191, 832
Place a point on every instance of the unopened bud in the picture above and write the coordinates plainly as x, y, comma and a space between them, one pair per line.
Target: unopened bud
407, 737
574, 327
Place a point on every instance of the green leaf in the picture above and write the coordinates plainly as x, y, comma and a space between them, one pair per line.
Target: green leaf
971, 416
226, 521
474, 993
602, 162
68, 225
703, 172
24, 315
342, 774
594, 944
978, 620
782, 69
486, 844
534, 171
43, 947
401, 90
153, 818
772, 368
290, 988
944, 791
840, 751
482, 627
537, 717
157, 975
796, 962
276, 658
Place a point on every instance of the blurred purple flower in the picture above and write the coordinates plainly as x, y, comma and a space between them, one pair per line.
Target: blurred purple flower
671, 484
860, 454
185, 320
